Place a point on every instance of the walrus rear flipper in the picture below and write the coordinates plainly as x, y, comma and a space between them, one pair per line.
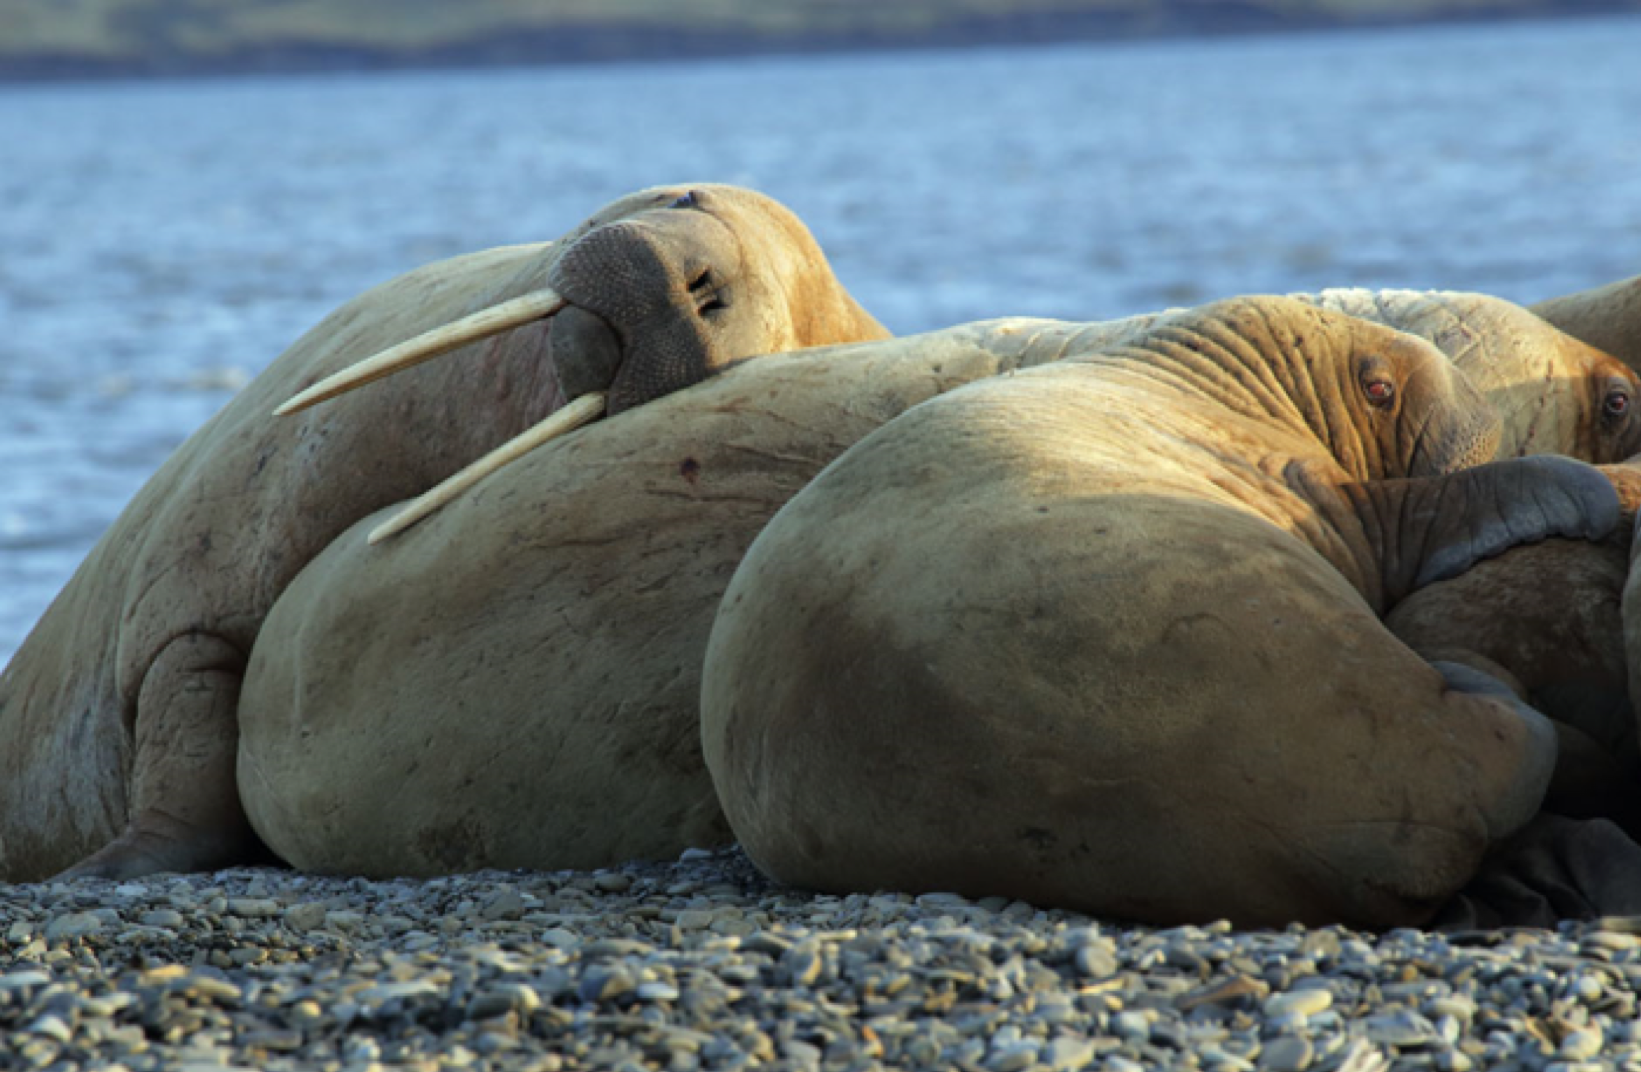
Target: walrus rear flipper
185, 813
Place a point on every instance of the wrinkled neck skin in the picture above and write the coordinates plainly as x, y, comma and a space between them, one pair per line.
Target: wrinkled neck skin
1285, 466
1608, 318
1307, 453
1265, 372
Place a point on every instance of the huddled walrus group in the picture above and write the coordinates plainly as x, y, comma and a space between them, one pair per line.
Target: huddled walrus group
1306, 608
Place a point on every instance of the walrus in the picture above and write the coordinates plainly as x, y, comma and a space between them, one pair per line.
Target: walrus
1105, 635
1608, 317
514, 681
118, 728
316, 726
1555, 393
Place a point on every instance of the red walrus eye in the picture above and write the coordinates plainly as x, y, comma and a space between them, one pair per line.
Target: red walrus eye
1379, 392
1617, 404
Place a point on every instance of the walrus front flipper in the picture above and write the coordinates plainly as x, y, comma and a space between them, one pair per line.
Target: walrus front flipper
1516, 796
1429, 529
185, 809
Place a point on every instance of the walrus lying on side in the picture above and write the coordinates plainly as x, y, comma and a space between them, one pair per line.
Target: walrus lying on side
118, 716
1105, 635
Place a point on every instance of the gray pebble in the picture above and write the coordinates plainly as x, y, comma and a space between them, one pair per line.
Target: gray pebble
1288, 1054
307, 916
702, 964
73, 925
1298, 1002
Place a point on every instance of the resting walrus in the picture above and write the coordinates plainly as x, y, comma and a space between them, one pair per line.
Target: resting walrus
514, 682
118, 714
332, 753
1554, 393
1105, 635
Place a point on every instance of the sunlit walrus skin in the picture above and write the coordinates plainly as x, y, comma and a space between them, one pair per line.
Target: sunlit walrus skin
1554, 393
362, 661
118, 716
1106, 635
1608, 317
514, 682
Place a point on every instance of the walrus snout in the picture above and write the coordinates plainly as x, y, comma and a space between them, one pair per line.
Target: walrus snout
1460, 428
661, 282
662, 262
585, 351
1448, 442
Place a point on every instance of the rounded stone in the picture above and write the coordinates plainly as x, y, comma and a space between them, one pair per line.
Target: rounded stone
1307, 1002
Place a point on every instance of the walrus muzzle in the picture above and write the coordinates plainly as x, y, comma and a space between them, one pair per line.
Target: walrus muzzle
661, 283
635, 307
1459, 435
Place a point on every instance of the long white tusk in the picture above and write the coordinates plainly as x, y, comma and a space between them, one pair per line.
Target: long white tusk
441, 340
588, 407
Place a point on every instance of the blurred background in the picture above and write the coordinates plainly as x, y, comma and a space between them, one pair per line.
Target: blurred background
188, 185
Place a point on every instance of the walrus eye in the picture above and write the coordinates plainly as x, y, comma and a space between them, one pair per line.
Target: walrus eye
1379, 392
686, 201
1617, 404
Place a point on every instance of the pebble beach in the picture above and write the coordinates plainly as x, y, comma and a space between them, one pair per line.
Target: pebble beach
704, 964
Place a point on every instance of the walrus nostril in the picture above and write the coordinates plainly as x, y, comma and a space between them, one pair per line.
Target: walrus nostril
710, 300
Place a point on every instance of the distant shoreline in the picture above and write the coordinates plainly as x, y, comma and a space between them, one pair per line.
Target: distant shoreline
616, 43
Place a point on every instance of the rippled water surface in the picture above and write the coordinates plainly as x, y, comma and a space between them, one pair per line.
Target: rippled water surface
161, 242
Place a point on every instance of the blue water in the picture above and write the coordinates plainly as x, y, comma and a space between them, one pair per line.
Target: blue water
161, 242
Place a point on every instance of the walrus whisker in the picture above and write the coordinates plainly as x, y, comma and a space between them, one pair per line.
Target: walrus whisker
588, 407
516, 312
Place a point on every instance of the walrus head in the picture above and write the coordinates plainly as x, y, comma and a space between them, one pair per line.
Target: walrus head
1419, 413
663, 298
655, 292
1385, 403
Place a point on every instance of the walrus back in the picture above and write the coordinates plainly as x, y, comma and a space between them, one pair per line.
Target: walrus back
176, 560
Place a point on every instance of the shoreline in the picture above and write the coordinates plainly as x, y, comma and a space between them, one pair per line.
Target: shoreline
598, 44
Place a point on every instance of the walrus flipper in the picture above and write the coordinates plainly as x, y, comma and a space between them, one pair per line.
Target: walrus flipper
1432, 529
185, 813
1517, 799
